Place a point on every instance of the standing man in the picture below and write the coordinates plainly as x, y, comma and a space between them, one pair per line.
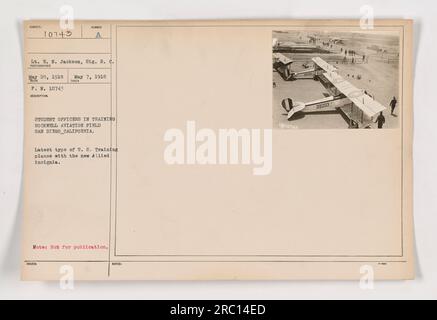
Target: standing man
393, 103
380, 120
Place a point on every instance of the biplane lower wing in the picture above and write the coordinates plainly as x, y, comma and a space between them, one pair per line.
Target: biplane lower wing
369, 106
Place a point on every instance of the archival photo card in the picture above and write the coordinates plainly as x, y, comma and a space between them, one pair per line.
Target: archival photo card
150, 152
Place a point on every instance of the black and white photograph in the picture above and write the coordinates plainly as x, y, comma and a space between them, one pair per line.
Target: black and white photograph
330, 79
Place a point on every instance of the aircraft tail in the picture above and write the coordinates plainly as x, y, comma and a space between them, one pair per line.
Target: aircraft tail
298, 106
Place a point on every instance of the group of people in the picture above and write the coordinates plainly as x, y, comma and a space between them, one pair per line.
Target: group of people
380, 120
328, 44
353, 54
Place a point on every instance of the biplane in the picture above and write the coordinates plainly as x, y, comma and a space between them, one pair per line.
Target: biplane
336, 40
354, 103
295, 47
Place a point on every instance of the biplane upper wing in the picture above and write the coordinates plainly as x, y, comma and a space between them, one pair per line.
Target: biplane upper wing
281, 58
324, 65
369, 106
